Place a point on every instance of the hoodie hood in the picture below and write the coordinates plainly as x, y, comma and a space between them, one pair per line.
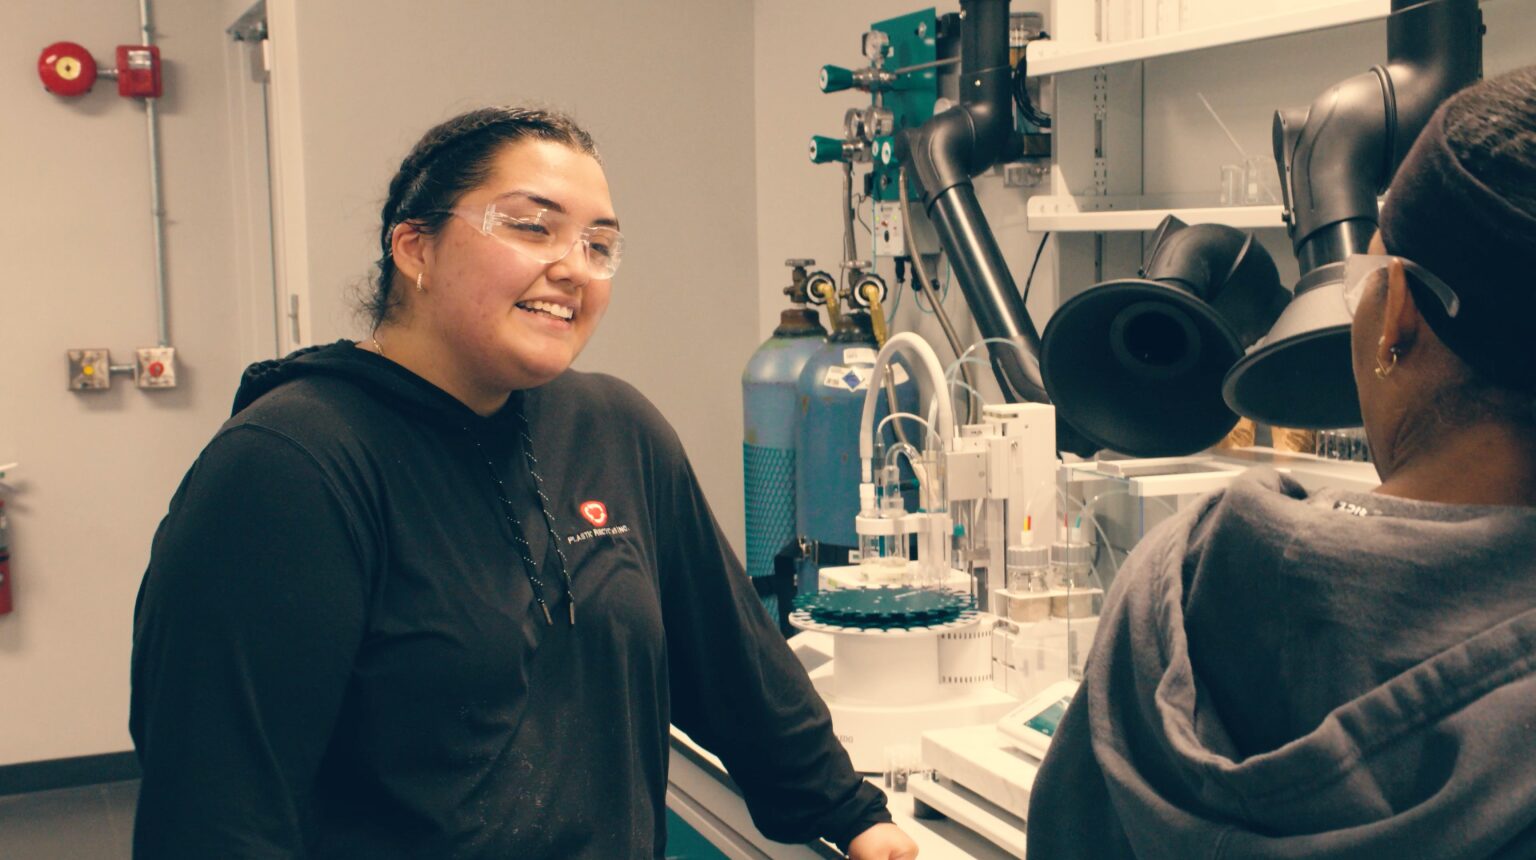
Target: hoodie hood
380, 376
1285, 674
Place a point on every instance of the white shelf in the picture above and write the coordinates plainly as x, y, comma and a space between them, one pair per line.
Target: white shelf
1111, 214
1047, 57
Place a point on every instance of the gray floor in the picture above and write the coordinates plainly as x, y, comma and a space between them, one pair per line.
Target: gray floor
90, 823
96, 823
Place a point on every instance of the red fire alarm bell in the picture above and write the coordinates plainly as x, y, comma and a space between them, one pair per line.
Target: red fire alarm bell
67, 69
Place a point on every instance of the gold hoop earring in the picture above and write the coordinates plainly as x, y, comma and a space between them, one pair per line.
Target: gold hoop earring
1385, 370
419, 287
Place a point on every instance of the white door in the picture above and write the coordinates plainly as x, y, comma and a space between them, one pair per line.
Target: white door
271, 265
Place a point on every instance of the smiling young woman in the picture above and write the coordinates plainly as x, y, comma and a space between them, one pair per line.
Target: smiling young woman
435, 594
513, 287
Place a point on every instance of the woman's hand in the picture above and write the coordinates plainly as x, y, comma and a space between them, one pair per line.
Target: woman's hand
882, 842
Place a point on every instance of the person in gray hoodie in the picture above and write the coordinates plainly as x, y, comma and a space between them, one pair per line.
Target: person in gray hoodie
1282, 673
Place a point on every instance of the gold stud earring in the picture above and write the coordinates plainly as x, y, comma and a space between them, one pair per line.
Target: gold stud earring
419, 287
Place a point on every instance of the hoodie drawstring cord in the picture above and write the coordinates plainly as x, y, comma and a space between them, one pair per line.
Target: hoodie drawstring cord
524, 550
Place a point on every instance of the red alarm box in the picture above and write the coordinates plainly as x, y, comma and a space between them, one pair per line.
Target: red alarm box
138, 71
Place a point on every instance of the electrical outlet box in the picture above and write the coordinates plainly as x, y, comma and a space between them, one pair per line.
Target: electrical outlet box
890, 238
89, 369
155, 367
890, 234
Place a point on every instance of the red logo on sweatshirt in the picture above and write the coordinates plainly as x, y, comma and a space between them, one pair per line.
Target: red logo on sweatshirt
596, 513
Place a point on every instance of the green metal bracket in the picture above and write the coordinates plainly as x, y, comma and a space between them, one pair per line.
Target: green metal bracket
913, 42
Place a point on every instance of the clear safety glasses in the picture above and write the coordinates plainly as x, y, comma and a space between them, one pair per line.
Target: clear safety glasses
1360, 269
546, 235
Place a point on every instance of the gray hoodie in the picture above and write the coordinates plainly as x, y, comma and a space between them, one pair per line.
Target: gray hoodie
1282, 674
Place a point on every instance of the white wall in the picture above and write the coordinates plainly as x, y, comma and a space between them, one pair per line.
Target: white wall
664, 87
98, 469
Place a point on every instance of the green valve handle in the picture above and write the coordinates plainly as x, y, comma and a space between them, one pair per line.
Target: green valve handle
835, 79
825, 149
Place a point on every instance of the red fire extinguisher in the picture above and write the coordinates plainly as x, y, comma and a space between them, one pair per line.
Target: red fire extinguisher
5, 562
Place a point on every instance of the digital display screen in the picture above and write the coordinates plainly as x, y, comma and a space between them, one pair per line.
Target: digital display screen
1047, 720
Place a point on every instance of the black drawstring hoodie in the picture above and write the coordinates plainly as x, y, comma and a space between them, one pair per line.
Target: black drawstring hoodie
338, 652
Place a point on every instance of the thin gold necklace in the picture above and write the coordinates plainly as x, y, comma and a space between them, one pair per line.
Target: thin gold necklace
376, 347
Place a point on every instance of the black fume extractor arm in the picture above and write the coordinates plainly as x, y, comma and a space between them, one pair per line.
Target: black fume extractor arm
1339, 155
943, 154
1335, 158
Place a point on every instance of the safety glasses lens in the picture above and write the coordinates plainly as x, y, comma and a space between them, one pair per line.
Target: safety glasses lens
604, 248
535, 233
1359, 272
547, 236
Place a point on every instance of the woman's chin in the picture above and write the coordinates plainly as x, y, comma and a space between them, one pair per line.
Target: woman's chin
532, 374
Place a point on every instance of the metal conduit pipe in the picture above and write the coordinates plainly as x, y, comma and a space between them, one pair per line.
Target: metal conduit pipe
157, 208
850, 245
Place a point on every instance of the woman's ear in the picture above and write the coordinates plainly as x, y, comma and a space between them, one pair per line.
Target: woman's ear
411, 249
1400, 319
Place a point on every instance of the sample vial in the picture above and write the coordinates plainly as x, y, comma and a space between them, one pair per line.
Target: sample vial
1072, 573
1028, 575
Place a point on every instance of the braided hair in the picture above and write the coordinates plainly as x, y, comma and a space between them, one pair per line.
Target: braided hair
450, 159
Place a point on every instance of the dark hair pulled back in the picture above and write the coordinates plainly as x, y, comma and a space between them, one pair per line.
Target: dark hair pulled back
451, 159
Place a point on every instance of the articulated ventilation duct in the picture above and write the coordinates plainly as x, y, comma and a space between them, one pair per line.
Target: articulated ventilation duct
1136, 364
1335, 159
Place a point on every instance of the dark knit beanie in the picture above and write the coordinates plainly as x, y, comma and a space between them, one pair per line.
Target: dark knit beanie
1483, 246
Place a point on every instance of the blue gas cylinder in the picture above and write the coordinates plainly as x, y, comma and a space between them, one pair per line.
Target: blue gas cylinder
831, 389
768, 448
